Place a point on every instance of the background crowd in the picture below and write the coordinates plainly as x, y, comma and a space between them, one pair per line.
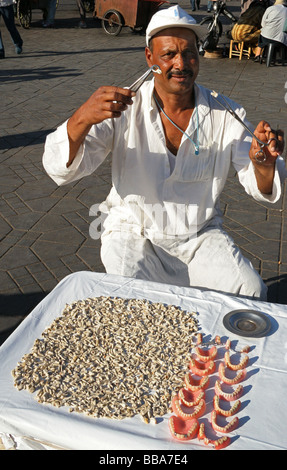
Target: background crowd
261, 22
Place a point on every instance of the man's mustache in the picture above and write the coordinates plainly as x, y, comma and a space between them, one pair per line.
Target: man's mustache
180, 73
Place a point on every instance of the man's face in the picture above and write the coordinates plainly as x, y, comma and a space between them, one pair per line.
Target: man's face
175, 51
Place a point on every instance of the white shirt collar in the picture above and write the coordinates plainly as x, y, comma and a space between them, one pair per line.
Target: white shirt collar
201, 101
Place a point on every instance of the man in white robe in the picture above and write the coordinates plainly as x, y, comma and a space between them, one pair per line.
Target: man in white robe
172, 146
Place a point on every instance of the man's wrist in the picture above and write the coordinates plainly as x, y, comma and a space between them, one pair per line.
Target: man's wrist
264, 174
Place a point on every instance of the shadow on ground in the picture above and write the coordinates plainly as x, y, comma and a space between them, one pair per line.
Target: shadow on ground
277, 289
14, 308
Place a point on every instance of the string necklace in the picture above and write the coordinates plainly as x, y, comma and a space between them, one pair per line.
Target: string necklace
196, 144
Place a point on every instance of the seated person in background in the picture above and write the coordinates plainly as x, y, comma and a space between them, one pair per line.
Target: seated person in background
172, 146
248, 27
244, 5
273, 25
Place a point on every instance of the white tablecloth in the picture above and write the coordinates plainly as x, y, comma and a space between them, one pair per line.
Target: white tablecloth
263, 415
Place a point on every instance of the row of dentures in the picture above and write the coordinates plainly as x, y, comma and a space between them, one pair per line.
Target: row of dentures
189, 404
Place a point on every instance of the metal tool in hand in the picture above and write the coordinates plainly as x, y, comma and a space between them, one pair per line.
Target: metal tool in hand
138, 83
260, 155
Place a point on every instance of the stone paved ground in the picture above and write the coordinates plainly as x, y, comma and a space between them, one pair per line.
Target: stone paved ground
44, 229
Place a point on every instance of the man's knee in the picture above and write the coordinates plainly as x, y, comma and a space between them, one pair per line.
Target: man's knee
254, 287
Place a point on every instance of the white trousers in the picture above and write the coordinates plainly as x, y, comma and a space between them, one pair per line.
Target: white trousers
211, 261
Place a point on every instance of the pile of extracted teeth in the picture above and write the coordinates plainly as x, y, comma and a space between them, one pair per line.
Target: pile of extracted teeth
110, 358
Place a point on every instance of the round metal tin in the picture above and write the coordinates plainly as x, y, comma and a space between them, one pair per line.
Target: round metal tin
249, 323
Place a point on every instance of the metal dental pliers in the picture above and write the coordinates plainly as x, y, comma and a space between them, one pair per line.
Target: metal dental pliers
260, 156
138, 83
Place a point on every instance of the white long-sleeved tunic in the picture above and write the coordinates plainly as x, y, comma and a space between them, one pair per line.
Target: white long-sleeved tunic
143, 184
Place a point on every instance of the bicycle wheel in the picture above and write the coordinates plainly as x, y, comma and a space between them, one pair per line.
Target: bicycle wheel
24, 13
112, 22
208, 21
213, 34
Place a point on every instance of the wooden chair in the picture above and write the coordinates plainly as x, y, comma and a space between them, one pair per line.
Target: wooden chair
241, 50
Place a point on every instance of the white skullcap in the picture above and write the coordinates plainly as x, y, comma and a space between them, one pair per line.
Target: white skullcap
173, 17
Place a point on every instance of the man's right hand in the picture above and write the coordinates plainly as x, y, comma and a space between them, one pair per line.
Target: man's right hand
106, 103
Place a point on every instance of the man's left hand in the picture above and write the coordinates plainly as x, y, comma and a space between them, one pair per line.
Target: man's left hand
275, 148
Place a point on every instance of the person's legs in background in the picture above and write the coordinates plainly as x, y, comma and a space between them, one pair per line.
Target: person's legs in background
209, 5
49, 23
82, 11
192, 3
7, 13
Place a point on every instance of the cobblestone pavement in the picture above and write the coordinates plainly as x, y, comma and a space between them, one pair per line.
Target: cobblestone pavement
44, 229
